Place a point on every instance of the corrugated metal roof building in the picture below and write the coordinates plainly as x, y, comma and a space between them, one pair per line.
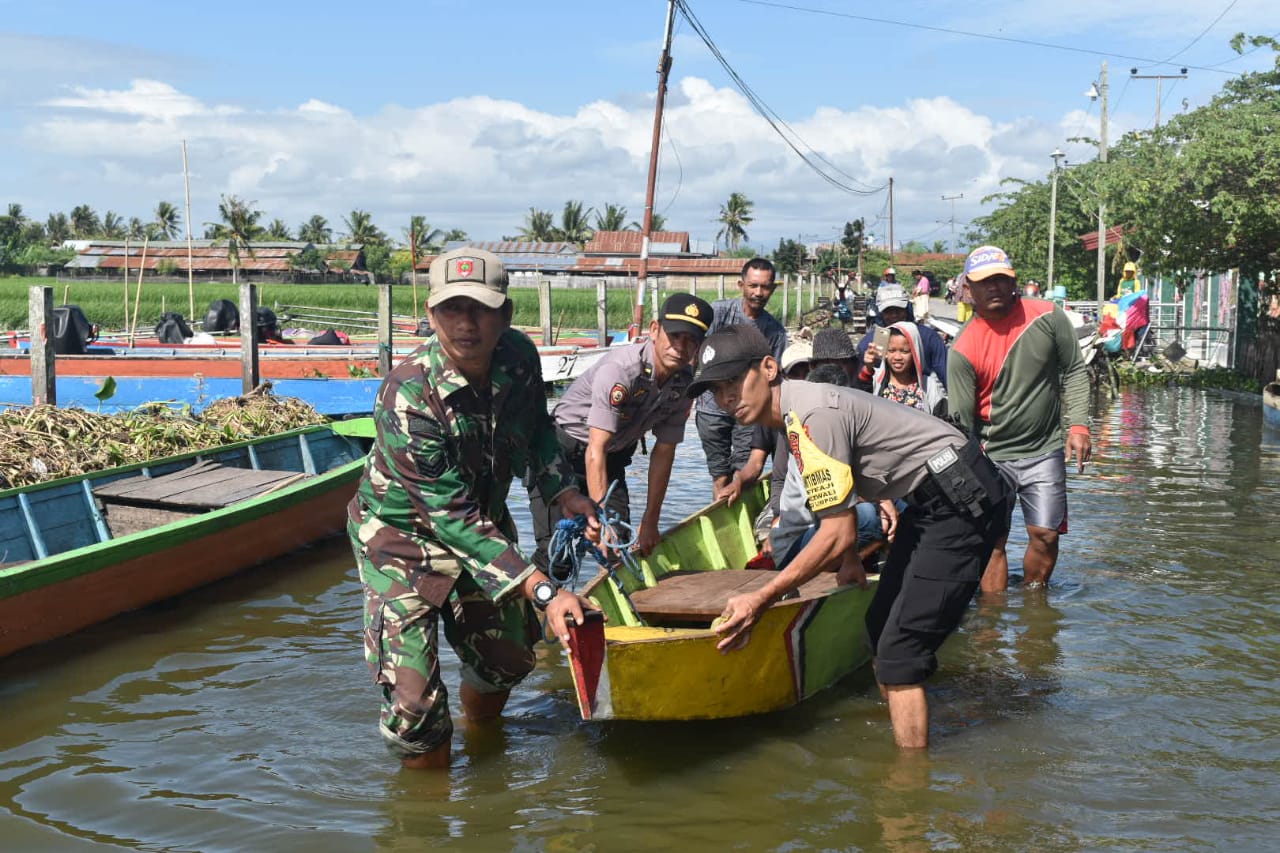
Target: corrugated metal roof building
208, 257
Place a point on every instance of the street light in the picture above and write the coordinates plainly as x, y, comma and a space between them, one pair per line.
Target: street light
1053, 216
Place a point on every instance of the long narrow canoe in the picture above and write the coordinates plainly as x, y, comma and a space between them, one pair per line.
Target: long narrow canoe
656, 657
79, 550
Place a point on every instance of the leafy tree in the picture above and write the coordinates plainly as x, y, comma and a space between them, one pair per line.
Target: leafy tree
57, 228
239, 227
855, 236
277, 230
938, 247
454, 234
309, 260
113, 226
85, 224
377, 260
11, 233
539, 226
613, 218
789, 257
735, 216
574, 224
360, 228
421, 239
315, 230
168, 221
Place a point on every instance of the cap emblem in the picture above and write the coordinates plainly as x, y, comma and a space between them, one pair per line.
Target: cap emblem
691, 310
707, 354
465, 267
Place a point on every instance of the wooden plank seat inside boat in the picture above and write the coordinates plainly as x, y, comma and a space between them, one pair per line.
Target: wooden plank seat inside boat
140, 503
697, 598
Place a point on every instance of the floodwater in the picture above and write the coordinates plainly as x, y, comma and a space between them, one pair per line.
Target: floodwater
1132, 707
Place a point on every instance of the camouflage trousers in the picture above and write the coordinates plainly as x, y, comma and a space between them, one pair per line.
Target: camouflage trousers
401, 639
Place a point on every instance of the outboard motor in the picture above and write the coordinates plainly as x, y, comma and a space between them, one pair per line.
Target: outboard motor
71, 330
222, 316
172, 328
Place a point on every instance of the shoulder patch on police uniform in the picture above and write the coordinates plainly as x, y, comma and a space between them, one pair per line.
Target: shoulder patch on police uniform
827, 481
617, 395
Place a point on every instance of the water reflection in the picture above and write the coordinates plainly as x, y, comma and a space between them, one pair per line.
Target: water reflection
1132, 705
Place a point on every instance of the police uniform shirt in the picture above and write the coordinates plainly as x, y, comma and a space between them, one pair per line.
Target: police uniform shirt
619, 394
847, 443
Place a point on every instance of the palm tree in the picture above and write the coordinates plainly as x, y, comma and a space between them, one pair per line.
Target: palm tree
58, 228
454, 234
277, 230
735, 216
539, 226
658, 223
136, 230
238, 227
574, 224
315, 230
84, 222
360, 228
421, 239
614, 218
113, 227
168, 220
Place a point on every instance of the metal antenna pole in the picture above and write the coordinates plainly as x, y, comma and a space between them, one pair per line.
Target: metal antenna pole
1159, 78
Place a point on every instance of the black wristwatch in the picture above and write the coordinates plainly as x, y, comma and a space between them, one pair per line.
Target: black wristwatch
543, 594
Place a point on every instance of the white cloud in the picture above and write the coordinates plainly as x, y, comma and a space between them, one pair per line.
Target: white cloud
479, 163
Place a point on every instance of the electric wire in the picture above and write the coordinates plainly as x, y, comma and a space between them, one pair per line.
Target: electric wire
955, 32
792, 139
1203, 33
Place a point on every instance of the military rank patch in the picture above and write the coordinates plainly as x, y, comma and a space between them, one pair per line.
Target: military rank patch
617, 395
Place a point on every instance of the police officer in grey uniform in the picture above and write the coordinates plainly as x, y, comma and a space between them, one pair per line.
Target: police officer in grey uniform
608, 409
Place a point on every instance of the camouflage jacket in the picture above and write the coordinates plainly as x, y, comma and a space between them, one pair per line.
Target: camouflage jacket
432, 501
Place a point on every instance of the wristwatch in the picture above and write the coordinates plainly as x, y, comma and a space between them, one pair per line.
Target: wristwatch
543, 593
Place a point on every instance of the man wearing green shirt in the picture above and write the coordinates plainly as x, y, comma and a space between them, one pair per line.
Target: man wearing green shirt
457, 420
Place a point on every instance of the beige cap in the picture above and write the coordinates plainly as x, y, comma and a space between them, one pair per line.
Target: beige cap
797, 352
474, 273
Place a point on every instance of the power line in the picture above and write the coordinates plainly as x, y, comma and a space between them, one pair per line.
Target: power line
771, 116
1203, 32
949, 31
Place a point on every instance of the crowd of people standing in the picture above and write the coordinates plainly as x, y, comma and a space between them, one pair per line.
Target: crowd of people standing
894, 441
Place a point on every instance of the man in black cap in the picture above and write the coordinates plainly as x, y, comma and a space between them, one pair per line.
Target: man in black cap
607, 409
847, 443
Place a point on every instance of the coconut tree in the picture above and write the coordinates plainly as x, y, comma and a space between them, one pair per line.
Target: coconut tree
539, 226
315, 230
659, 223
735, 216
614, 218
113, 226
85, 224
58, 228
239, 226
168, 220
421, 239
360, 228
277, 230
575, 226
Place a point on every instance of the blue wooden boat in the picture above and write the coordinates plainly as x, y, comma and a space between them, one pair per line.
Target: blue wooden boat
79, 550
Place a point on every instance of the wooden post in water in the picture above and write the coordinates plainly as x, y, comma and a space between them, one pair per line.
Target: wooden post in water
386, 332
544, 310
602, 313
248, 337
44, 389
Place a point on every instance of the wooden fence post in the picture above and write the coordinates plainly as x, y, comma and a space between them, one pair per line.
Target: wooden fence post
249, 373
44, 390
786, 297
544, 310
386, 332
720, 287
602, 313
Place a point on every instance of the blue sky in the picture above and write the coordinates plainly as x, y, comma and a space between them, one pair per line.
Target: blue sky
470, 113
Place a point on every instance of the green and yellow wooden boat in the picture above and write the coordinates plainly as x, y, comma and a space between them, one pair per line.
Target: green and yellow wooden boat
656, 657
79, 550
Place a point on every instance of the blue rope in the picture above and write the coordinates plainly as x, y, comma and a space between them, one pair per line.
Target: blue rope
569, 547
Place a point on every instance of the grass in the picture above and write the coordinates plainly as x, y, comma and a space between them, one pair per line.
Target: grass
103, 302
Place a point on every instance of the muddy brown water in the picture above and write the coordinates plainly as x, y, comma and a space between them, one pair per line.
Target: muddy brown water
1132, 707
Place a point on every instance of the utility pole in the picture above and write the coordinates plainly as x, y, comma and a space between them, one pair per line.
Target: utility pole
891, 220
664, 69
1159, 78
1100, 91
952, 199
1053, 218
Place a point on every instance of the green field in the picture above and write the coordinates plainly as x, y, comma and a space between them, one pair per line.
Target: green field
103, 302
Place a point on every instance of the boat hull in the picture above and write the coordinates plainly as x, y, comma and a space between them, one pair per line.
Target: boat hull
59, 594
629, 671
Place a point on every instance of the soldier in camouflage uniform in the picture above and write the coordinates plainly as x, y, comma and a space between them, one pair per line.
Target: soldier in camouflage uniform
456, 420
